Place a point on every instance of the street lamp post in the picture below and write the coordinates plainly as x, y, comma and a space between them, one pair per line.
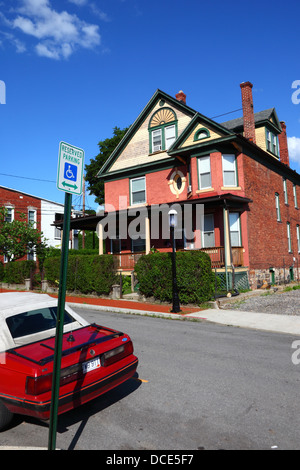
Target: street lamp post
173, 222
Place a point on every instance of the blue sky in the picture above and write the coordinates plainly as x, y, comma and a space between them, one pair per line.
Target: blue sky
75, 69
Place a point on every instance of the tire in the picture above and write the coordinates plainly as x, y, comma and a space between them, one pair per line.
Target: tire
5, 416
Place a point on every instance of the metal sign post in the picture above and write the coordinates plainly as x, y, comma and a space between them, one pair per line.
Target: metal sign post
60, 324
69, 180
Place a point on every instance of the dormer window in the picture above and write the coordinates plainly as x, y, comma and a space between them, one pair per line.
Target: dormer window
162, 130
272, 142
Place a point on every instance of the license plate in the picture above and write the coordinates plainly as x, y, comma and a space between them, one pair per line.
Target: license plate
91, 365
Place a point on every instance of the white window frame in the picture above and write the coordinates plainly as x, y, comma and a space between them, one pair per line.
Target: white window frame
295, 196
34, 221
285, 191
288, 226
238, 231
298, 237
12, 214
171, 138
158, 146
201, 162
208, 231
132, 192
232, 169
272, 142
277, 205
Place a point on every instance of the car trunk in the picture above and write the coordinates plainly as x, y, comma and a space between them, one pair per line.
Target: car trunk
76, 346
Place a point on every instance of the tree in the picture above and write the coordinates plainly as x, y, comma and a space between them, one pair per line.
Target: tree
19, 237
106, 147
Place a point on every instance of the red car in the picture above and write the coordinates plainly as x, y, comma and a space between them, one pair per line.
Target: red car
94, 360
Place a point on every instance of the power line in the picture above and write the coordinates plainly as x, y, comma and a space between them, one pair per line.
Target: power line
230, 112
27, 178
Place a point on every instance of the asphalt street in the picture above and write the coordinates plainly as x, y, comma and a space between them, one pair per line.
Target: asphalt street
199, 386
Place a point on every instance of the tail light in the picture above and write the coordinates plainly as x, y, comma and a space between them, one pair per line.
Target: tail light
116, 354
38, 385
43, 383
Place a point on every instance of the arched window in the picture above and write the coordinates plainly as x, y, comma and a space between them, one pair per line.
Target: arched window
202, 133
162, 130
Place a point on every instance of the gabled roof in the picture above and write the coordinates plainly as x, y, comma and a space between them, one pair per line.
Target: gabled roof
140, 119
204, 121
262, 117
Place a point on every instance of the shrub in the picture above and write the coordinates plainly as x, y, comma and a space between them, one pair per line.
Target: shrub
1, 271
195, 279
16, 272
86, 274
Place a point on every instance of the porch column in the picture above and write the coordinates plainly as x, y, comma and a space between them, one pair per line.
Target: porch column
227, 237
147, 234
99, 231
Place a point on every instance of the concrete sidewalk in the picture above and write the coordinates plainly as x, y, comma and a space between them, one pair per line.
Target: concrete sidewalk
259, 321
289, 324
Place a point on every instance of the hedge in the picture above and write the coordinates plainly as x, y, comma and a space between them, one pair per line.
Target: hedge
16, 272
195, 279
86, 274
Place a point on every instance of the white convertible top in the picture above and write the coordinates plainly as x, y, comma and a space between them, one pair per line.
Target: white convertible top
12, 303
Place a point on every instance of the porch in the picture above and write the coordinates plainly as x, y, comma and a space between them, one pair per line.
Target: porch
127, 261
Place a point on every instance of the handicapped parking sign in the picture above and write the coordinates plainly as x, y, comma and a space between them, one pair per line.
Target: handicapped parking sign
70, 168
70, 172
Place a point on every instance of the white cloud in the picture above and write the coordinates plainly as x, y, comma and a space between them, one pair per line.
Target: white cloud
294, 148
79, 2
59, 34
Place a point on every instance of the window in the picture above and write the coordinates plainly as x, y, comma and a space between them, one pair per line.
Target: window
277, 207
156, 140
163, 138
181, 240
201, 134
234, 223
32, 218
57, 231
115, 245
298, 238
272, 142
138, 190
35, 321
9, 214
204, 172
289, 236
208, 239
31, 255
295, 196
229, 170
162, 130
169, 136
285, 191
139, 244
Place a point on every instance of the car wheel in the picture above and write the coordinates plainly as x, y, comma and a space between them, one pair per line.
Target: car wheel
5, 416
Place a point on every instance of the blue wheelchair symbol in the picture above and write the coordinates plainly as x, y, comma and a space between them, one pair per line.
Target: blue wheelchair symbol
70, 172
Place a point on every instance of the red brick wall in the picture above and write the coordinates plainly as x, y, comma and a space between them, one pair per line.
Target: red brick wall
267, 238
21, 203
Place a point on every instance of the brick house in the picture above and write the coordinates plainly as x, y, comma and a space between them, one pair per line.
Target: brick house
238, 171
40, 211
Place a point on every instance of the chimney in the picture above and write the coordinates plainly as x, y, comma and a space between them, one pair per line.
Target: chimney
248, 113
181, 96
283, 145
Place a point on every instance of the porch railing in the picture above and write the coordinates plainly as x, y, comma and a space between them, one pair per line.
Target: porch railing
216, 254
126, 260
